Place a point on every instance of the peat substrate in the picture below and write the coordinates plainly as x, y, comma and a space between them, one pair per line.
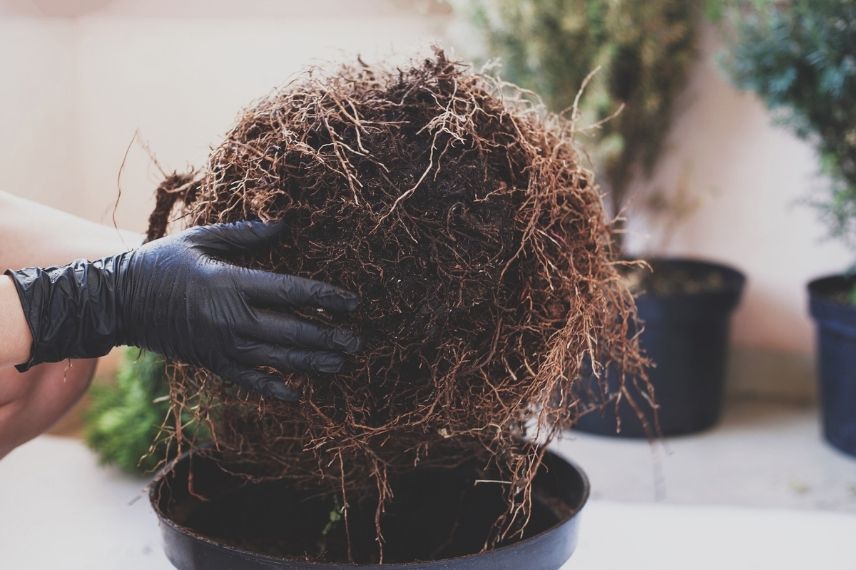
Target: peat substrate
436, 514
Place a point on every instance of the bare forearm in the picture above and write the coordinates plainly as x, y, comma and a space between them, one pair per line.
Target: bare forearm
33, 401
35, 235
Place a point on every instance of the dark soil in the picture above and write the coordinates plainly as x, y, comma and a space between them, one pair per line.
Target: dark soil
847, 298
435, 514
840, 289
664, 280
846, 295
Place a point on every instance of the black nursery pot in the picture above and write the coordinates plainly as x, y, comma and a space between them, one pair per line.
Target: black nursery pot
438, 519
686, 335
836, 358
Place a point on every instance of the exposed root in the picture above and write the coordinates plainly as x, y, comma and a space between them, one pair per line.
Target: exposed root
462, 215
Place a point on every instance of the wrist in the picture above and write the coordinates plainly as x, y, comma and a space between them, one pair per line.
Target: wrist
121, 269
15, 337
136, 316
71, 311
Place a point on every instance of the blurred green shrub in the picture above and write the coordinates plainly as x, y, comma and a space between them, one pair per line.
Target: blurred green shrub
643, 48
799, 56
124, 418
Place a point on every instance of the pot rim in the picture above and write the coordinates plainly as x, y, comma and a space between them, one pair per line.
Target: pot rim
825, 309
736, 279
165, 520
815, 285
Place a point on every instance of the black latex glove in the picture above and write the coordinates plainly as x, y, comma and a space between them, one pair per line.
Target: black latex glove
178, 297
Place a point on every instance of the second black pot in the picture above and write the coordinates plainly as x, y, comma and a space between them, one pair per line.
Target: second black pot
686, 335
836, 358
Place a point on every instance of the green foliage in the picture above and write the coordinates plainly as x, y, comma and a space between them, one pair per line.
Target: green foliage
800, 57
124, 418
644, 51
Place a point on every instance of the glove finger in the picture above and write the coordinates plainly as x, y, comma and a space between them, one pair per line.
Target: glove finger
256, 381
235, 237
296, 292
292, 359
281, 329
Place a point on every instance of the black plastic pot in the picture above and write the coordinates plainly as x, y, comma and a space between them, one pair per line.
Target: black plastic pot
686, 335
836, 358
193, 535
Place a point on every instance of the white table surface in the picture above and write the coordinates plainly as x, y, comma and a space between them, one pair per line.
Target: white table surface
762, 454
59, 510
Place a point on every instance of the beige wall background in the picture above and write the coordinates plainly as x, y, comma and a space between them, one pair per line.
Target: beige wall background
79, 79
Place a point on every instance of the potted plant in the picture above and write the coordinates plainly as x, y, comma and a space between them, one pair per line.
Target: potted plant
620, 66
463, 217
798, 56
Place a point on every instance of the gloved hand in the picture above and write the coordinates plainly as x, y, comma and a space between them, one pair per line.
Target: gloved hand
177, 296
